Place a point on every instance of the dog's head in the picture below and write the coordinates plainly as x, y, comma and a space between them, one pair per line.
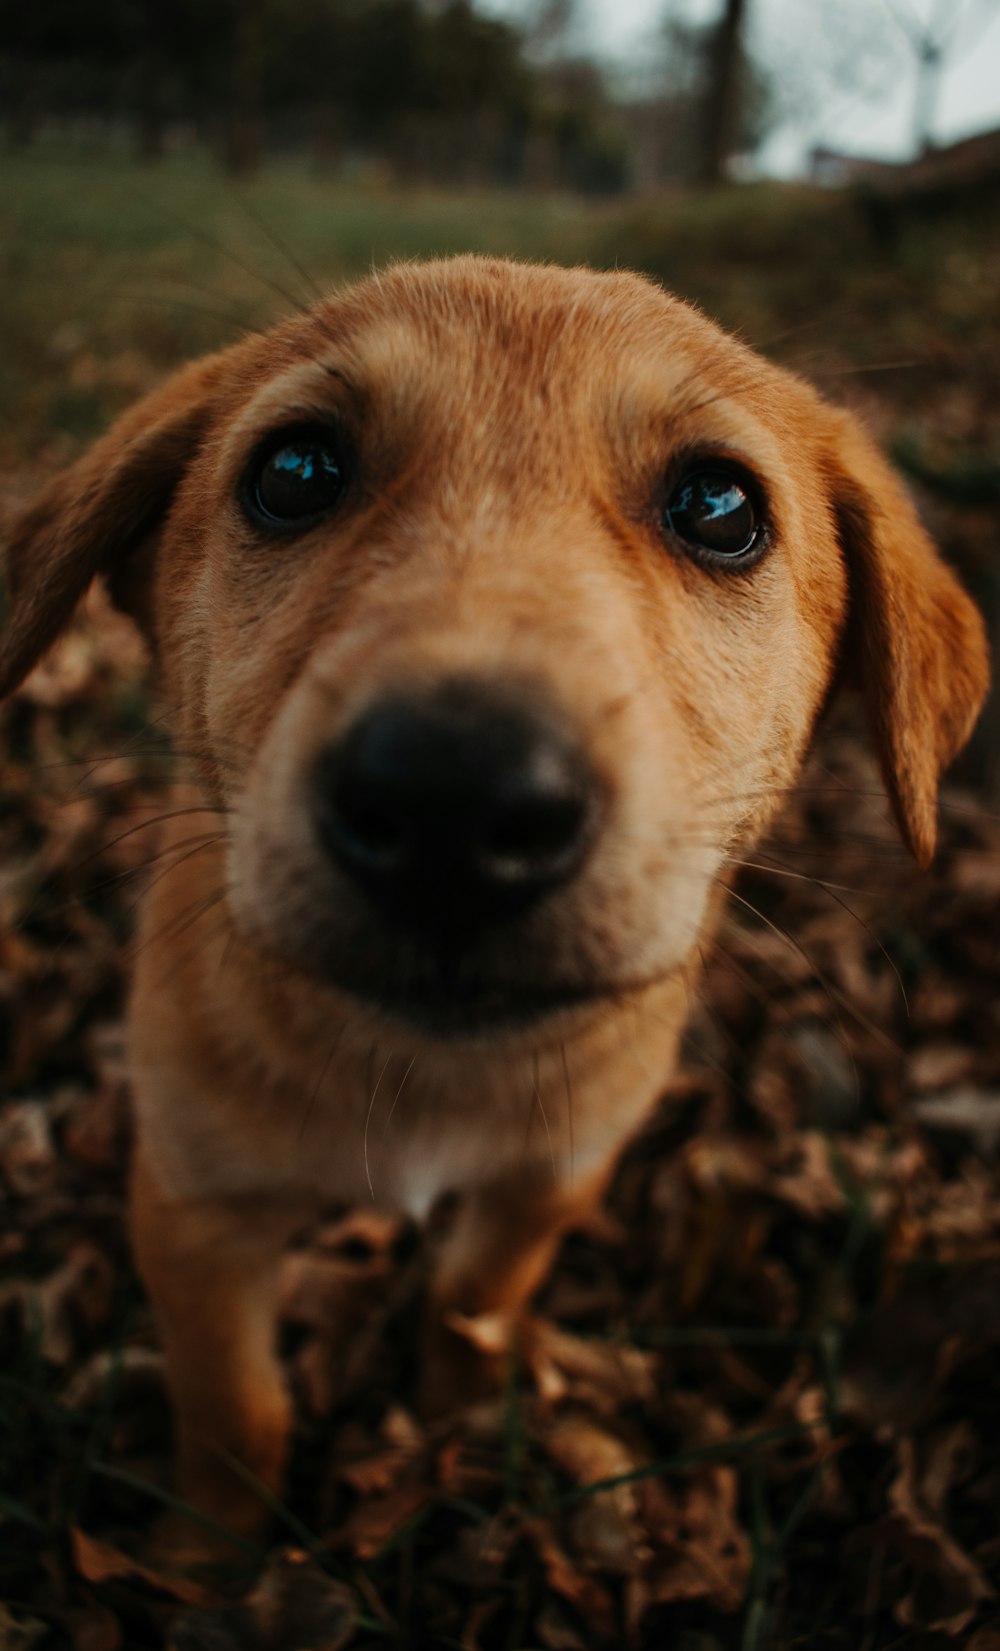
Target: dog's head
498, 605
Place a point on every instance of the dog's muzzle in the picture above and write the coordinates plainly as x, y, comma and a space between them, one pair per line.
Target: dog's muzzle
455, 810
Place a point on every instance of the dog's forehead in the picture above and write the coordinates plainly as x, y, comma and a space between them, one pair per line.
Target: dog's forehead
506, 302
493, 340
526, 325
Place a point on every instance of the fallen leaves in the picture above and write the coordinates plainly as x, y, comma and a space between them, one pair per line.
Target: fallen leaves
761, 1385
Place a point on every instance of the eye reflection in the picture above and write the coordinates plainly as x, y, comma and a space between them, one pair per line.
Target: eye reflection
299, 479
712, 510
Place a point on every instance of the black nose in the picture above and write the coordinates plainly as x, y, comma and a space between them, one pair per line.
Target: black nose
455, 810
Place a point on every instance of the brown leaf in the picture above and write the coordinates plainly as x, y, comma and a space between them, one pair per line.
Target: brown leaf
599, 1374
567, 1579
80, 1292
808, 1182
21, 1632
294, 1607
95, 1124
895, 1364
329, 1293
939, 1065
478, 1619
964, 1110
607, 1532
707, 1554
488, 1333
27, 1159
557, 1632
94, 1628
131, 1371
100, 1562
378, 1518
947, 1586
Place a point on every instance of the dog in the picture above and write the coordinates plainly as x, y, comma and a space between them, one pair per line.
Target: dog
494, 607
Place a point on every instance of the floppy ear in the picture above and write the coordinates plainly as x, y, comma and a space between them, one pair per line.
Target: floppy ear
915, 641
93, 517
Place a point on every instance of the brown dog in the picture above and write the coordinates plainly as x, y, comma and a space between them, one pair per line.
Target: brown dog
496, 606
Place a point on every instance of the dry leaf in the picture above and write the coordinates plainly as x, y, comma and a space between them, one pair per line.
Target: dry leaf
946, 1586
294, 1606
100, 1562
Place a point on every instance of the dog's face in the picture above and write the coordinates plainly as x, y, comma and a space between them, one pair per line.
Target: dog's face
498, 605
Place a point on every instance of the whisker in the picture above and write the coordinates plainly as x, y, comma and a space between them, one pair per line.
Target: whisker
833, 890
859, 369
46, 909
335, 1044
715, 1065
270, 234
38, 905
570, 1123
219, 928
799, 877
181, 921
833, 991
158, 751
399, 1091
368, 1119
215, 245
154, 820
171, 300
227, 949
541, 1107
209, 841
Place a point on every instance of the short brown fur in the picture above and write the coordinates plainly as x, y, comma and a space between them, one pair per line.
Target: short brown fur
512, 427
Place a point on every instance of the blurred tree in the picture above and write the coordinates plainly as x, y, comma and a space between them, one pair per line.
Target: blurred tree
57, 53
434, 87
932, 39
673, 112
549, 29
724, 87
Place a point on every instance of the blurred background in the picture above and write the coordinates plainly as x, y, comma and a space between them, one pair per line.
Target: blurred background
759, 154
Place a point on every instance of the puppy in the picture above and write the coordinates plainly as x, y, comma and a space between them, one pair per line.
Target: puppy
495, 607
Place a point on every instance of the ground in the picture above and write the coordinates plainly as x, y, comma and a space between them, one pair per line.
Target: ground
756, 1404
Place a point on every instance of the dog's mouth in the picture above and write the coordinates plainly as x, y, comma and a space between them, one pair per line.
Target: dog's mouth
449, 1006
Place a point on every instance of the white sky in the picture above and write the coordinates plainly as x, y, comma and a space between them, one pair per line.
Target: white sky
844, 74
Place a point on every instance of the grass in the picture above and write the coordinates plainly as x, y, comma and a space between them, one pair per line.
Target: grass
110, 274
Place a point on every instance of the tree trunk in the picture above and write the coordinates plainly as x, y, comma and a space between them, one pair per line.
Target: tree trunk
722, 94
245, 127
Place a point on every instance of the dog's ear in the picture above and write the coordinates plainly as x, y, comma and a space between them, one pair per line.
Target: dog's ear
99, 515
915, 643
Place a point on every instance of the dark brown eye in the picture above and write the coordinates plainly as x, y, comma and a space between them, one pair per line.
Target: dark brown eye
712, 511
297, 477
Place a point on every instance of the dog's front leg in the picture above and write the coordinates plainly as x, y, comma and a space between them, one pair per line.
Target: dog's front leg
212, 1272
494, 1257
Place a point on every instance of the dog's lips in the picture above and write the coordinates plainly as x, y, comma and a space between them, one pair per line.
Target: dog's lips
452, 1007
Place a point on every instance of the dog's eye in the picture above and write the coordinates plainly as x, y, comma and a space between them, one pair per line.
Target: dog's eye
711, 510
297, 477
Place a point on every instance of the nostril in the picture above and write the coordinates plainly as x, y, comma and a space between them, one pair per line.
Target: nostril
359, 808
536, 831
364, 827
